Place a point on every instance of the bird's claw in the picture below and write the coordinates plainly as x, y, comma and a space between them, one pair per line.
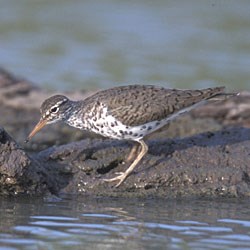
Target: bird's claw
121, 178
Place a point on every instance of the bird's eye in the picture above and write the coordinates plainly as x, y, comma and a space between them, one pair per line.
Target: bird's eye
54, 109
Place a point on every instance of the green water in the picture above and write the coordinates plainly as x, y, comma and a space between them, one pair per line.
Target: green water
94, 44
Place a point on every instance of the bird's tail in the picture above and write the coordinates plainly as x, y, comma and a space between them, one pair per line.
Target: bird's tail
222, 96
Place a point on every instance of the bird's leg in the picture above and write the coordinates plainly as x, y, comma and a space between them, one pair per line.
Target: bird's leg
122, 177
133, 152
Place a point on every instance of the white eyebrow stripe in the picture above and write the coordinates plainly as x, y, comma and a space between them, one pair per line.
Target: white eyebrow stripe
59, 103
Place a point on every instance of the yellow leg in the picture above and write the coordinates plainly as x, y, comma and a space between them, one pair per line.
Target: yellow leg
133, 152
122, 177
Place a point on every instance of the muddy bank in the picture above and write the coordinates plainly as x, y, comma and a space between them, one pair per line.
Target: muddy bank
61, 159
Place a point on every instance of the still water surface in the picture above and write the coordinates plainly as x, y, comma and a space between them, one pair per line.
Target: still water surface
88, 223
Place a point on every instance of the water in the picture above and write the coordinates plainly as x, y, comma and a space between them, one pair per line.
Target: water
99, 223
87, 44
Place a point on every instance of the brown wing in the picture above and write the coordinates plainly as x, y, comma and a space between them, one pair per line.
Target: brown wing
137, 104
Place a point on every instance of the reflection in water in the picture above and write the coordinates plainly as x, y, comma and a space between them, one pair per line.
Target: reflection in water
124, 224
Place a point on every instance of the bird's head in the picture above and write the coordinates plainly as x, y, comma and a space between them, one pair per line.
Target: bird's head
55, 108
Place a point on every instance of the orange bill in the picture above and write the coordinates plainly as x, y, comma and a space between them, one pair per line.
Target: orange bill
38, 127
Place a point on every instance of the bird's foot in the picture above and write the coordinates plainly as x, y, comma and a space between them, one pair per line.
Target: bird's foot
121, 178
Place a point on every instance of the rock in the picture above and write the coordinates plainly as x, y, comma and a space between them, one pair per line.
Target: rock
19, 174
210, 164
184, 159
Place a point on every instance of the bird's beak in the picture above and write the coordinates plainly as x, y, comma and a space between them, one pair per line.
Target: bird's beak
38, 127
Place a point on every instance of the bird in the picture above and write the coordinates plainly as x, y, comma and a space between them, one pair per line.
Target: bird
125, 113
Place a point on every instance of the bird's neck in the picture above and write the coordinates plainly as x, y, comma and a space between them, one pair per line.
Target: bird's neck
75, 116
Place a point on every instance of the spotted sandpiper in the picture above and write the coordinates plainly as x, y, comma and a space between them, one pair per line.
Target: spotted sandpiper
124, 113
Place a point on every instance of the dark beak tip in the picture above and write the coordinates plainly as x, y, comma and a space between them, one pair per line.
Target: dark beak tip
38, 127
